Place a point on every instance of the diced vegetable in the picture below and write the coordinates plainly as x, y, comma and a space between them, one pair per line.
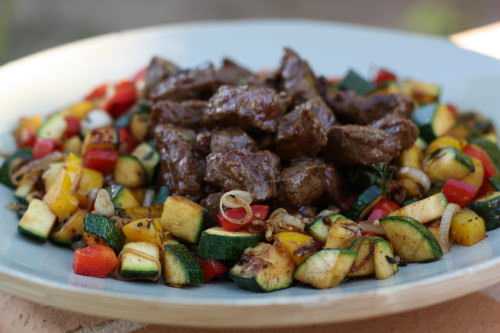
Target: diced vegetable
37, 221
60, 198
365, 202
447, 163
25, 133
212, 269
412, 157
129, 172
384, 259
11, 163
124, 97
139, 125
489, 168
149, 158
144, 230
412, 241
355, 82
477, 177
298, 245
183, 218
70, 230
383, 208
383, 77
161, 196
44, 147
122, 197
73, 145
459, 192
216, 243
467, 228
127, 143
326, 268
363, 264
53, 128
180, 267
342, 233
103, 205
488, 207
276, 273
79, 110
425, 210
99, 228
101, 160
490, 148
104, 138
90, 180
97, 261
137, 213
73, 126
140, 261
433, 120
96, 119
421, 92
319, 228
443, 142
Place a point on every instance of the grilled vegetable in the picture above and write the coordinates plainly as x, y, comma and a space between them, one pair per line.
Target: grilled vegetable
183, 218
137, 213
342, 233
490, 148
467, 228
140, 261
298, 245
96, 260
144, 230
89, 181
161, 196
100, 229
11, 163
363, 264
73, 145
180, 267
53, 128
70, 230
149, 158
139, 125
122, 197
365, 202
219, 244
326, 268
263, 269
475, 178
321, 226
412, 157
412, 241
60, 198
384, 259
129, 172
434, 120
421, 92
447, 163
355, 82
37, 221
488, 207
443, 142
424, 210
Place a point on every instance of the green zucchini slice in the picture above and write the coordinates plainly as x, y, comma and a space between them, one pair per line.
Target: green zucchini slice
37, 221
434, 120
448, 163
425, 210
53, 128
149, 158
320, 227
219, 244
122, 197
355, 82
70, 230
488, 207
363, 264
140, 261
180, 267
129, 172
491, 149
103, 229
161, 196
365, 202
11, 163
384, 260
183, 218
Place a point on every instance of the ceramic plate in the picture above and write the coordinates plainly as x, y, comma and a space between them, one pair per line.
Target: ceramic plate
52, 79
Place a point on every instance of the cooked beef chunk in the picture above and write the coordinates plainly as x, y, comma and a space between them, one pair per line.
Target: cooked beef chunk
297, 78
233, 74
381, 142
186, 114
246, 107
211, 203
302, 184
255, 172
363, 110
203, 139
197, 83
335, 190
229, 139
304, 131
181, 168
157, 70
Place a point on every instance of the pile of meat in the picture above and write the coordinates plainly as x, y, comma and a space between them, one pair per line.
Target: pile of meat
283, 136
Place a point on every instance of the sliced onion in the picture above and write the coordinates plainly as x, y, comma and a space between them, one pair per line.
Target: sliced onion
444, 228
371, 227
416, 175
36, 165
237, 199
148, 198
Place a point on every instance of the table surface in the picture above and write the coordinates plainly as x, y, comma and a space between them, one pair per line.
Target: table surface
478, 312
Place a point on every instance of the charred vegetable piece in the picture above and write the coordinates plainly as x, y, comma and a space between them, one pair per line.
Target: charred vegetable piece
149, 158
467, 228
129, 172
140, 261
60, 198
488, 207
421, 92
122, 197
475, 178
384, 259
12, 162
180, 267
100, 228
365, 202
144, 230
219, 244
355, 82
490, 148
342, 233
183, 218
412, 157
97, 261
298, 245
363, 264
443, 142
434, 120
139, 125
425, 210
263, 268
70, 230
448, 163
53, 128
321, 226
37, 221
412, 241
326, 268
137, 213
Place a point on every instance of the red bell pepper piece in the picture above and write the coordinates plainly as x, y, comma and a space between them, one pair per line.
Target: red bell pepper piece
44, 147
384, 76
99, 92
260, 212
127, 141
103, 160
97, 260
486, 188
453, 109
212, 269
383, 208
490, 169
459, 192
73, 127
26, 138
124, 97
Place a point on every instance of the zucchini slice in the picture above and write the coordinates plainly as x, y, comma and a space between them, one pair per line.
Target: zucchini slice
495, 182
363, 264
139, 125
342, 233
365, 202
434, 120
180, 267
491, 149
37, 222
411, 240
183, 218
326, 268
98, 228
447, 163
161, 196
263, 269
129, 172
70, 230
140, 261
149, 158
425, 210
355, 82
11, 163
219, 244
53, 128
122, 197
321, 226
488, 207
384, 260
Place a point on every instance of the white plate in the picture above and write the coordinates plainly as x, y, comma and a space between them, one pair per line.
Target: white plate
52, 79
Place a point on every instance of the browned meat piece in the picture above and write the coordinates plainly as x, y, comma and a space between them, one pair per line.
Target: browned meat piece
186, 114
157, 70
246, 107
302, 184
304, 131
402, 131
181, 167
211, 203
203, 139
229, 139
255, 172
197, 83
297, 77
233, 74
363, 110
335, 190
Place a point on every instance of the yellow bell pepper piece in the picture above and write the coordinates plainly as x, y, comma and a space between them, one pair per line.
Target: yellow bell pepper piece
144, 230
90, 179
136, 213
412, 157
443, 142
475, 178
74, 167
51, 175
299, 246
80, 109
60, 198
467, 228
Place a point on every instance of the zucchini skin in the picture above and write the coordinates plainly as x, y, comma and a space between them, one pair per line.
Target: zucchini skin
220, 247
489, 209
365, 201
355, 82
491, 149
5, 170
423, 117
105, 229
249, 284
188, 262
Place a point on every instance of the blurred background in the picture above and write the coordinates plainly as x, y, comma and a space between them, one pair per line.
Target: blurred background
27, 26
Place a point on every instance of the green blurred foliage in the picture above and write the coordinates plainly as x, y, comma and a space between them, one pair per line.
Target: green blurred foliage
433, 17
